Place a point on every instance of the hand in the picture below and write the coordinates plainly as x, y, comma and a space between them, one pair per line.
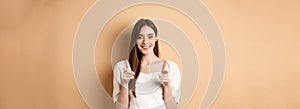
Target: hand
127, 75
164, 76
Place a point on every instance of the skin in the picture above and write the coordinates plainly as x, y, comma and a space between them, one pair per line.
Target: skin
145, 43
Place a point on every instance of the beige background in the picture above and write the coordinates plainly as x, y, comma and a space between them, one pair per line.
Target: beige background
261, 37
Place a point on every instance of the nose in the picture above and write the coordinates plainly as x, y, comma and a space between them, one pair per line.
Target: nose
145, 40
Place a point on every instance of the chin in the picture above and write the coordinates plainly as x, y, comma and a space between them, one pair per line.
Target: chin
146, 53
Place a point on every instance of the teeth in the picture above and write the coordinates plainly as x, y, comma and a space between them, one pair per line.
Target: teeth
145, 46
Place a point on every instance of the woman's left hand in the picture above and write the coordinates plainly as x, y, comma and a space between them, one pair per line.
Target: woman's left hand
164, 76
165, 79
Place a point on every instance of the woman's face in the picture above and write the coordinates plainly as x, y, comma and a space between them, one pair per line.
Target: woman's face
146, 40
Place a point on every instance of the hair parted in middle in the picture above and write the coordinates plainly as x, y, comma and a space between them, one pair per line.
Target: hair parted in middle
135, 55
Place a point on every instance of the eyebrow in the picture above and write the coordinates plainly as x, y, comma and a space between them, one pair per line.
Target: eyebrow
150, 34
147, 34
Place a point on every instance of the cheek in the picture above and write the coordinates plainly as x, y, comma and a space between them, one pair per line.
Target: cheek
153, 43
139, 42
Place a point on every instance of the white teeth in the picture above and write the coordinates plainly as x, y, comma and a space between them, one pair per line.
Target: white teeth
146, 46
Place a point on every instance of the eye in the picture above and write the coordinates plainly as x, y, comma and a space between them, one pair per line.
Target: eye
151, 37
140, 37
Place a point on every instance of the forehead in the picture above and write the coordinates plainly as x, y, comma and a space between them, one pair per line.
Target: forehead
146, 30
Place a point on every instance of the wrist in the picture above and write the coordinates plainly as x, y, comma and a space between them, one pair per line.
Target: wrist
167, 87
125, 85
167, 92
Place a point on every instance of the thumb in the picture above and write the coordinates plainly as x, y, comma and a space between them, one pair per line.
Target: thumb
165, 68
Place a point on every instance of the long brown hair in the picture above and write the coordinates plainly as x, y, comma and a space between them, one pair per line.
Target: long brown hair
135, 55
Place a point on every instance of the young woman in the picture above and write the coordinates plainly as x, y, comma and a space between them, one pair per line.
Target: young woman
146, 81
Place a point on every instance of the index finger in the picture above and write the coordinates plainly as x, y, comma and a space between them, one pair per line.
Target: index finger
128, 65
165, 67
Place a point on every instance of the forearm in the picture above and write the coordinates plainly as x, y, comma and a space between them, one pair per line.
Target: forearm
169, 98
123, 99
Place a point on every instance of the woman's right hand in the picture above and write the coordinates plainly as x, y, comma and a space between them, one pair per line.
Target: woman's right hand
127, 75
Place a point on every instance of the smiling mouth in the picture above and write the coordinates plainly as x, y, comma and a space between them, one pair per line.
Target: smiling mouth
146, 46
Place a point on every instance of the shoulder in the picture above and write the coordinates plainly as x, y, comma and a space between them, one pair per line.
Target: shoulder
174, 70
121, 64
173, 66
172, 63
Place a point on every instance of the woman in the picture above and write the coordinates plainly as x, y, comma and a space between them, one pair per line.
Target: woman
146, 81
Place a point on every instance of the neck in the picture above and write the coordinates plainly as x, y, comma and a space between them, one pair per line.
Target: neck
149, 58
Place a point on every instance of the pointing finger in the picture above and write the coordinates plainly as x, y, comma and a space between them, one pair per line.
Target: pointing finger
128, 65
165, 68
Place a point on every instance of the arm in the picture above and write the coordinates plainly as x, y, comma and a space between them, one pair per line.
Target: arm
121, 93
123, 99
169, 99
